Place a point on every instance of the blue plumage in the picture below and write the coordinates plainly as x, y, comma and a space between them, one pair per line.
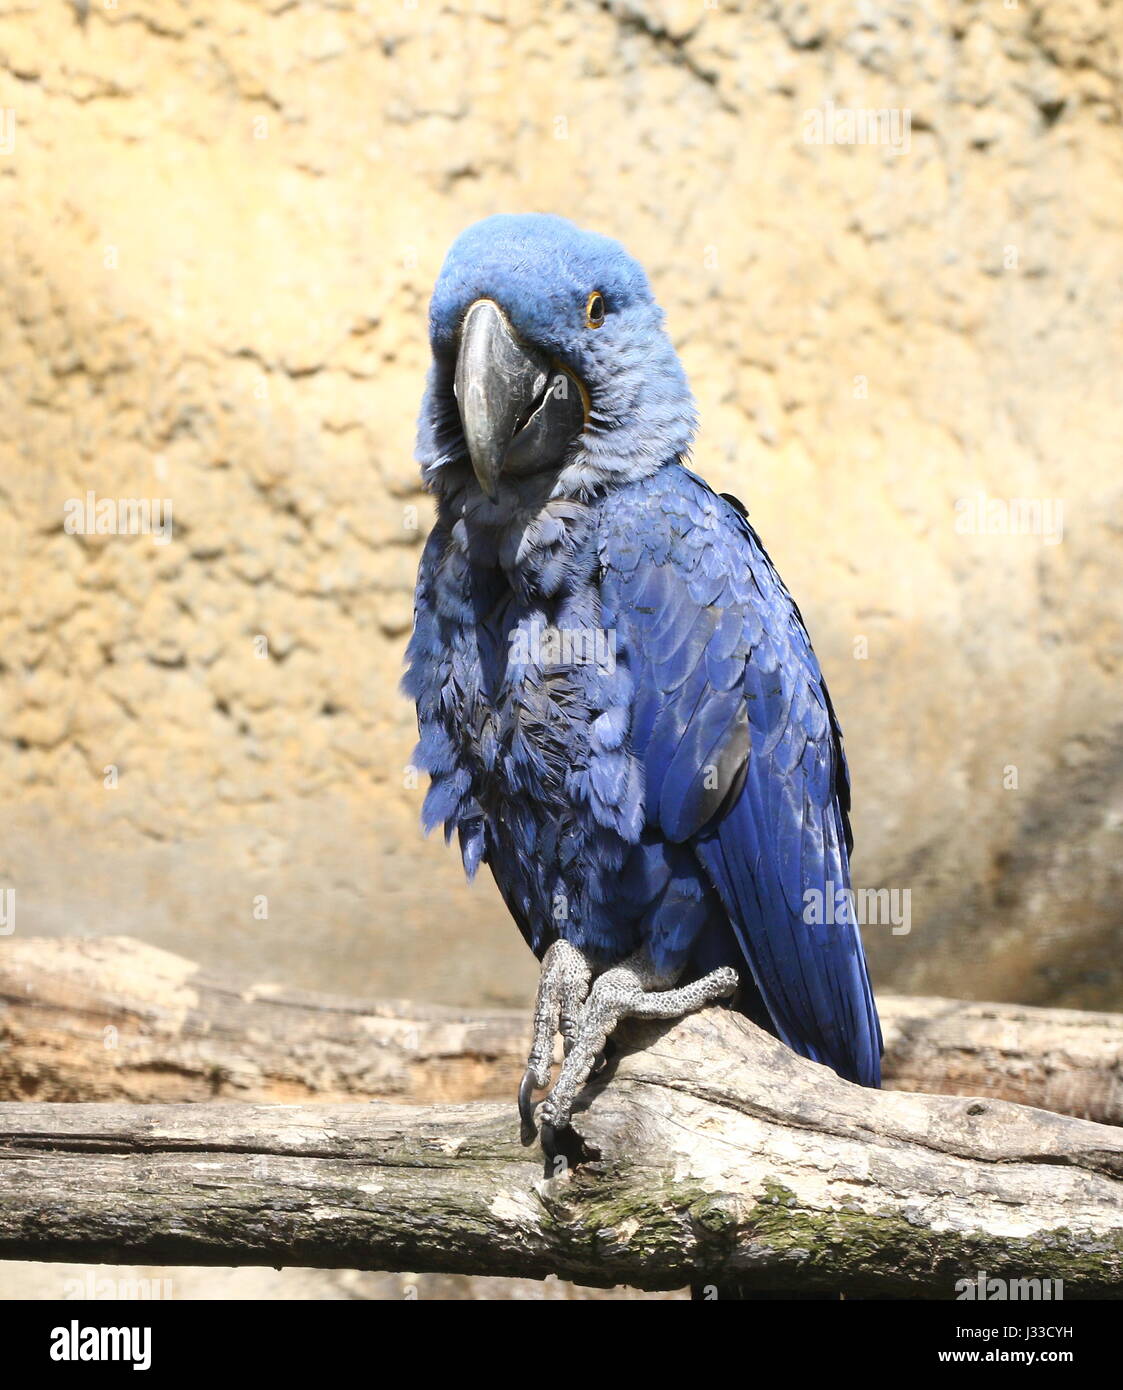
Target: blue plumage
679, 781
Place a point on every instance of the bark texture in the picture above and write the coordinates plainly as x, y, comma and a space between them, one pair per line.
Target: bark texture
114, 1019
708, 1154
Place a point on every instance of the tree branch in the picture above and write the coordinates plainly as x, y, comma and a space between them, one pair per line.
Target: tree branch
711, 1154
116, 1020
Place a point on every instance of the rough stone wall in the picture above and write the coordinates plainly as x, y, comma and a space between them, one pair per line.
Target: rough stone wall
221, 223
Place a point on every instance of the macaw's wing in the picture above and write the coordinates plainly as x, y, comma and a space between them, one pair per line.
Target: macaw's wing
742, 754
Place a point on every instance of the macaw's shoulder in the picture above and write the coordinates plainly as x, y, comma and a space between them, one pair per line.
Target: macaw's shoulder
674, 519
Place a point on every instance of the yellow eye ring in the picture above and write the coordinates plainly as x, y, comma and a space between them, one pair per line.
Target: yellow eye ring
594, 310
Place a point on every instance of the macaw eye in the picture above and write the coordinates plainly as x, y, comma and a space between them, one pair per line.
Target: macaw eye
594, 310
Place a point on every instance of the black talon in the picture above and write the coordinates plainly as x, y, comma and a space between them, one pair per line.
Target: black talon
527, 1107
603, 1057
561, 1148
550, 1146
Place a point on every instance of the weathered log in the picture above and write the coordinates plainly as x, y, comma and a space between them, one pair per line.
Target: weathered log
114, 1019
713, 1155
1067, 1060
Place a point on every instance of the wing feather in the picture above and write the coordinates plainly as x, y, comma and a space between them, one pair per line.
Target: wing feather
742, 756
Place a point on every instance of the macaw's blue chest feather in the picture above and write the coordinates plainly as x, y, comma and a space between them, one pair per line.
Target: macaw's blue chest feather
619, 707
523, 706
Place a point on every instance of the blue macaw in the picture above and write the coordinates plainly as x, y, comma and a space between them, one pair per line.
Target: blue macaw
618, 704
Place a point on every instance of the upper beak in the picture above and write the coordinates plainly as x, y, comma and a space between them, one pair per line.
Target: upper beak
497, 383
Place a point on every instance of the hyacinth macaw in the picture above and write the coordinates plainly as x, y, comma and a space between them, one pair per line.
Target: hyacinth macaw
619, 708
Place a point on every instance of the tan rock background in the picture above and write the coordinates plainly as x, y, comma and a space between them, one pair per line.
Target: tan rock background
221, 223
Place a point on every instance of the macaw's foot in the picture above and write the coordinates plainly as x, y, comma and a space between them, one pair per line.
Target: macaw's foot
562, 988
633, 989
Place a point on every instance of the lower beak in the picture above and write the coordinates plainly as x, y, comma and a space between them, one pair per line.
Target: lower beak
516, 410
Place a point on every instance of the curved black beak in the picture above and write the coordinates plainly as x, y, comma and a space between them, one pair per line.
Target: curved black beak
517, 411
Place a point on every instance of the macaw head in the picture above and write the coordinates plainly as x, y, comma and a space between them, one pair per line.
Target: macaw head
551, 368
